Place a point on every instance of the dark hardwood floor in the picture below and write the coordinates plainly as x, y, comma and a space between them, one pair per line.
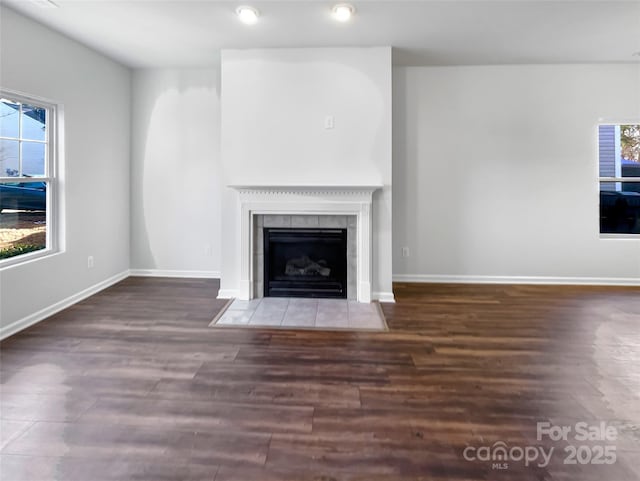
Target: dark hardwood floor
131, 384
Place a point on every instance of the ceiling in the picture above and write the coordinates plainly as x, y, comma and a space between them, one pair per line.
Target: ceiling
189, 33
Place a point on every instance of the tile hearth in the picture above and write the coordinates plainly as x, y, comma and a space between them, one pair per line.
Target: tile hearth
302, 313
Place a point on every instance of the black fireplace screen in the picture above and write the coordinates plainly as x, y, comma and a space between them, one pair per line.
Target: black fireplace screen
305, 263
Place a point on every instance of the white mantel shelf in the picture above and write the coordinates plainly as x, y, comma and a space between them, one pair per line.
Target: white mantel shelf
304, 200
308, 189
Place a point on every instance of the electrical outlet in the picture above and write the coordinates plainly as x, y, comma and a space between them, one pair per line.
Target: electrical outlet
90, 262
208, 251
329, 122
405, 252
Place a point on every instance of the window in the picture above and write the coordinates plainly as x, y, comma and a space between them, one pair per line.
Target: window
619, 162
27, 177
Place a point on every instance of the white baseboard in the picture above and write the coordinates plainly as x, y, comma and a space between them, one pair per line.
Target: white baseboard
228, 294
171, 273
590, 281
383, 296
42, 314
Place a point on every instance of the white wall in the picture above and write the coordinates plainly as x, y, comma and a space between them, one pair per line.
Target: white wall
274, 104
495, 171
175, 178
95, 93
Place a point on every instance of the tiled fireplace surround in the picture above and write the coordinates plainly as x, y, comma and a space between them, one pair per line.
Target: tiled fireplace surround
306, 206
306, 221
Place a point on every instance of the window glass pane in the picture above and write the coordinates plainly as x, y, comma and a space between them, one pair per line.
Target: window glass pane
630, 142
33, 159
9, 158
23, 221
619, 150
630, 169
630, 150
9, 112
608, 150
33, 122
630, 187
620, 207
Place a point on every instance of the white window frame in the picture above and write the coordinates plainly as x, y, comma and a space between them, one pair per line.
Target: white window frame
51, 177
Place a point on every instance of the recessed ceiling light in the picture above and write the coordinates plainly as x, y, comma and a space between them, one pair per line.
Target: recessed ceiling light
343, 12
248, 15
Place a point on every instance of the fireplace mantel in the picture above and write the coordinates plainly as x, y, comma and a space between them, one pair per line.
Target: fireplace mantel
307, 190
304, 200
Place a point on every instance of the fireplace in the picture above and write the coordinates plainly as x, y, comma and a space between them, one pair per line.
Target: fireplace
305, 262
302, 206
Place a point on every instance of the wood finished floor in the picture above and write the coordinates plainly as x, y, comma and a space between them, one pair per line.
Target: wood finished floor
131, 384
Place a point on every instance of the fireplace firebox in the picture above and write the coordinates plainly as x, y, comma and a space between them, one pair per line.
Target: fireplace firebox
305, 263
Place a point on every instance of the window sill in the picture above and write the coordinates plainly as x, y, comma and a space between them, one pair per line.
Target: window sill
620, 236
27, 258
